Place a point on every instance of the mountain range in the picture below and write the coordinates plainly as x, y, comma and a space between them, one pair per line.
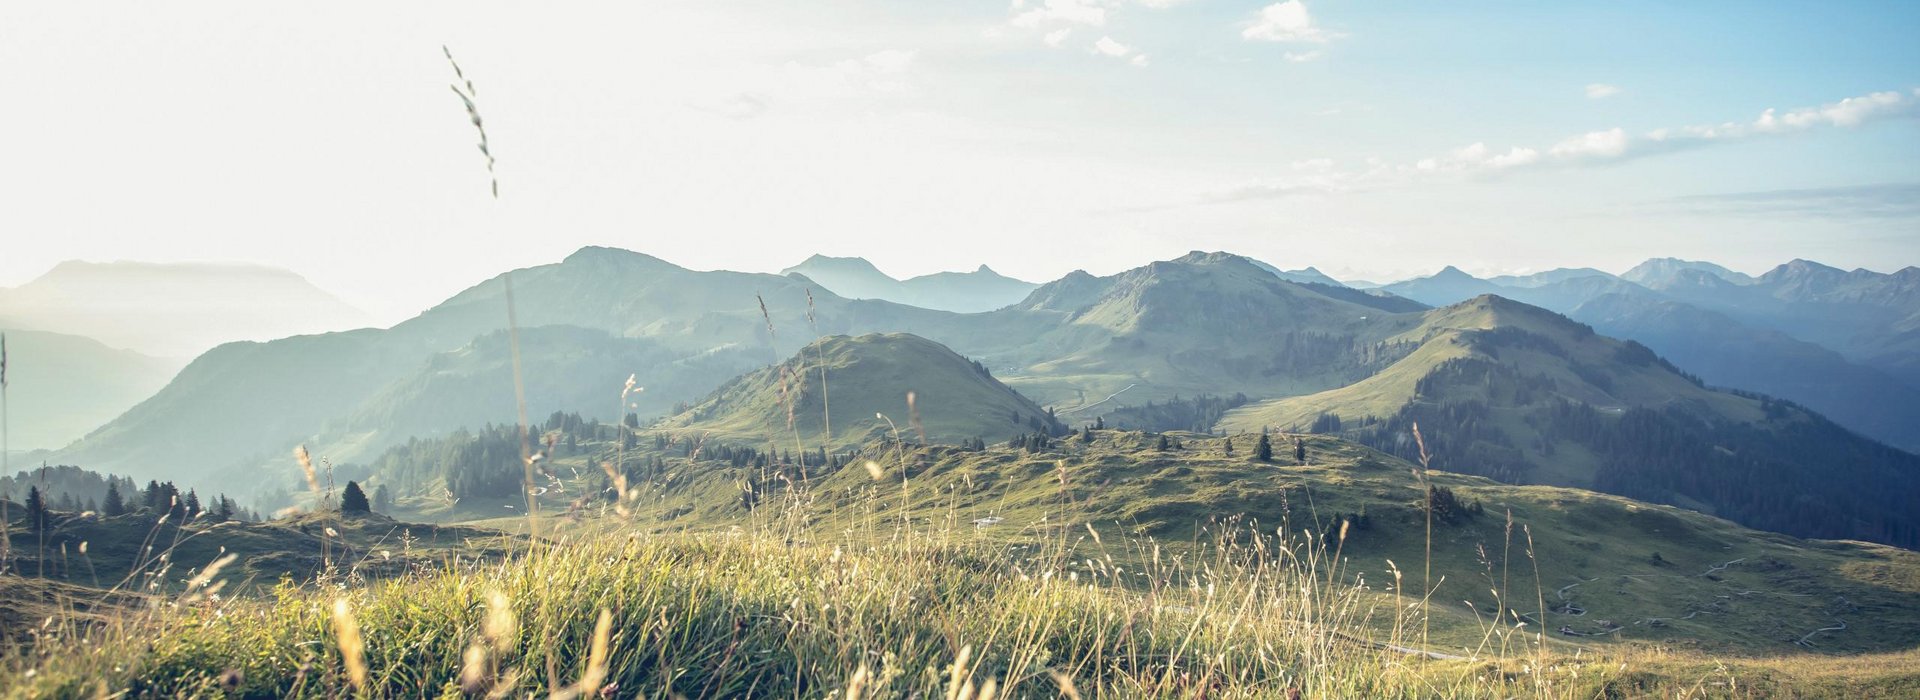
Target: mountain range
1505, 388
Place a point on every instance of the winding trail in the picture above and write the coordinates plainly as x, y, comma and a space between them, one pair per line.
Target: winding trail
1806, 641
1110, 397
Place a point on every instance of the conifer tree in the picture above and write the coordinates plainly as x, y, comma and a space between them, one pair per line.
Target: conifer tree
1263, 450
353, 501
115, 503
39, 519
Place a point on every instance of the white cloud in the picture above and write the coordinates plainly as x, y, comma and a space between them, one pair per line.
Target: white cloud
1601, 91
1139, 60
1057, 36
1852, 111
1106, 46
1286, 22
1304, 56
1594, 144
1162, 4
1061, 11
1591, 148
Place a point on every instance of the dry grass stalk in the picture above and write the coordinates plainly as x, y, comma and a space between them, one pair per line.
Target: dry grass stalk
468, 95
352, 648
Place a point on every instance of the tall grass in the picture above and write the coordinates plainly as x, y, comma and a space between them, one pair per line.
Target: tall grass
755, 613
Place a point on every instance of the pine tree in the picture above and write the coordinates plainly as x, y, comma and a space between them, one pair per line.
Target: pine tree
192, 503
115, 504
382, 499
1163, 445
1263, 450
1299, 451
151, 496
222, 508
1229, 446
353, 501
39, 519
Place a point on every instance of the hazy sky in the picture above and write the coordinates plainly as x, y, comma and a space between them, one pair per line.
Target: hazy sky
1373, 139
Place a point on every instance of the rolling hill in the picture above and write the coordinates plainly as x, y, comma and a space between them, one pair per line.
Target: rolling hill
1527, 396
866, 377
1713, 345
1611, 569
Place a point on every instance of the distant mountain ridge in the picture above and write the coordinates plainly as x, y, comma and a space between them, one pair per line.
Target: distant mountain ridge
966, 292
174, 309
61, 386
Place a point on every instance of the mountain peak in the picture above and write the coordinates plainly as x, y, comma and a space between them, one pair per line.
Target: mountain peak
1451, 272
1200, 257
608, 254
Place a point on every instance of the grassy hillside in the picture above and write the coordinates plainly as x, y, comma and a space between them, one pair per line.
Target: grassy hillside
866, 377
142, 553
1111, 567
1526, 396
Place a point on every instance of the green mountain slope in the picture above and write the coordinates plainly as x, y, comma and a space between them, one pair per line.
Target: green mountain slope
1204, 322
1721, 349
866, 377
1524, 395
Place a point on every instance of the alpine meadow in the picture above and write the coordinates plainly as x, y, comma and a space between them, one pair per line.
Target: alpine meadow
1044, 349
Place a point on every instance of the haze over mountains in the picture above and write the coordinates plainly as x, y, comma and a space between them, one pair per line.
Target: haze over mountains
855, 278
173, 309
1510, 388
90, 340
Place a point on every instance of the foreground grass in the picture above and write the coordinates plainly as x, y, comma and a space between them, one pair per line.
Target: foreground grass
757, 614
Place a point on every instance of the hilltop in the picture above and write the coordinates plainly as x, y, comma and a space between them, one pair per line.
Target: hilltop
866, 377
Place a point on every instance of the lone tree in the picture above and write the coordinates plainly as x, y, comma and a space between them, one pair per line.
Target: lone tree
1299, 451
38, 518
1229, 446
1263, 450
354, 501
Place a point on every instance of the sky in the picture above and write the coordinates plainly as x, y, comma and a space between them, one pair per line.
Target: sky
1375, 140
